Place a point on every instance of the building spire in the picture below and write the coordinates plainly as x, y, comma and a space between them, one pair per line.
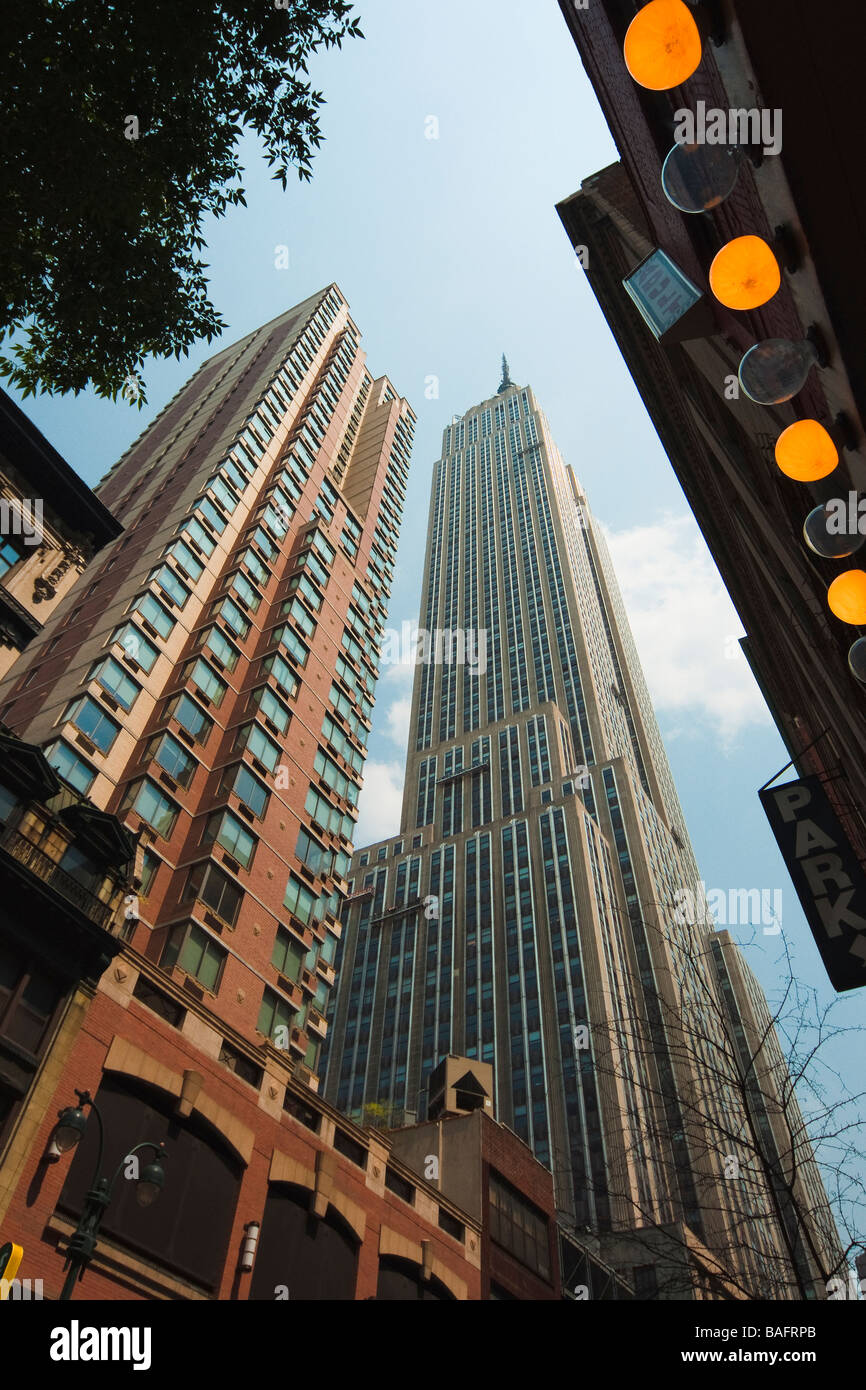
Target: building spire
506, 376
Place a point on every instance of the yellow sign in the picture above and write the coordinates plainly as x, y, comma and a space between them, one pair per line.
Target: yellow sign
10, 1258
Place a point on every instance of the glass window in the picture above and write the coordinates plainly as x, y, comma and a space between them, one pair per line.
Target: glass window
136, 646
153, 612
242, 586
299, 900
90, 717
288, 955
271, 707
252, 442
314, 855
276, 1012
335, 778
259, 572
191, 716
207, 680
282, 673
149, 870
235, 476
211, 514
184, 557
293, 644
224, 829
168, 581
197, 533
296, 611
147, 801
82, 868
244, 784
299, 583
71, 768
119, 684
329, 949
282, 502
10, 554
28, 999
209, 884
276, 521
196, 952
265, 544
328, 816
212, 640
326, 551
518, 1226
255, 740
8, 804
171, 755
309, 562
227, 498
234, 618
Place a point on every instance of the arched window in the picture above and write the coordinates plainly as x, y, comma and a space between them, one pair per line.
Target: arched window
187, 1230
309, 1257
400, 1280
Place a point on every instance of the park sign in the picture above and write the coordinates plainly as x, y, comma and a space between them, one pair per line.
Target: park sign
826, 873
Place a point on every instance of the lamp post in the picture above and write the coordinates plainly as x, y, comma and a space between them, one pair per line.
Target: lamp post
71, 1125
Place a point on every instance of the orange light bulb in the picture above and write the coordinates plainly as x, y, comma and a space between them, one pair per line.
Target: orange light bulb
745, 273
847, 597
805, 452
663, 46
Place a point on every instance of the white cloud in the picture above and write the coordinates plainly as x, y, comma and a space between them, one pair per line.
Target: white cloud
398, 715
399, 676
685, 628
381, 802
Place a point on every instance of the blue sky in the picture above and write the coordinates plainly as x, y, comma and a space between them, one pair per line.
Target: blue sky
450, 252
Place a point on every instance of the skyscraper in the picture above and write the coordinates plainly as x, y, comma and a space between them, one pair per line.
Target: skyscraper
225, 640
211, 681
527, 912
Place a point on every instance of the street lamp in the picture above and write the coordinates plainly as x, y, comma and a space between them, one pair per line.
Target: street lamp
71, 1124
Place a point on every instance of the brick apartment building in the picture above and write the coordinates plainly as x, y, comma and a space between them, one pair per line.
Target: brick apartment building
212, 687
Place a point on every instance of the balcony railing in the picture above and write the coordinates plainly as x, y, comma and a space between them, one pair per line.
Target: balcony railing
42, 866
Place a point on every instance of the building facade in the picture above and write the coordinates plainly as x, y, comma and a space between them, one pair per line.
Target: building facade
721, 443
67, 867
51, 526
526, 912
213, 687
